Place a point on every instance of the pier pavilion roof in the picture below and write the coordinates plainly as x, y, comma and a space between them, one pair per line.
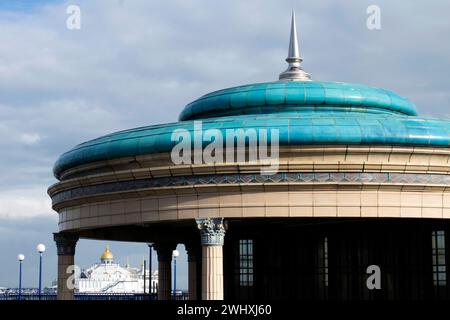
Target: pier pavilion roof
304, 111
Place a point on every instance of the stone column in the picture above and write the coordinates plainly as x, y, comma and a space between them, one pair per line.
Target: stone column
164, 251
65, 246
194, 256
212, 234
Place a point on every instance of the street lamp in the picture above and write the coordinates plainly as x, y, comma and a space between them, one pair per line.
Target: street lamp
175, 254
20, 257
145, 276
41, 249
150, 246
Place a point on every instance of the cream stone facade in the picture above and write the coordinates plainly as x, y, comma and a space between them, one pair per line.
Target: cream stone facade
401, 195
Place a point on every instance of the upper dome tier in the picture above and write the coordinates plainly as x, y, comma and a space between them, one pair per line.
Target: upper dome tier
297, 96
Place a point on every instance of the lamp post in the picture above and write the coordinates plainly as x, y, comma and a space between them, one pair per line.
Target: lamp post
150, 247
41, 249
20, 257
145, 276
175, 255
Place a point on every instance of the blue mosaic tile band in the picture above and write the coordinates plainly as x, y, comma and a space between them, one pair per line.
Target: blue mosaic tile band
338, 177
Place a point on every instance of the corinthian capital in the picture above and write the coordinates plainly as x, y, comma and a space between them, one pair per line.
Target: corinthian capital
212, 231
65, 243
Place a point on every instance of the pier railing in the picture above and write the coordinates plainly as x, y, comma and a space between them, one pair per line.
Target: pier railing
91, 296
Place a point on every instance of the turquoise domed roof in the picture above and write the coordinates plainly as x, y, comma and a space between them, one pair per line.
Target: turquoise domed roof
298, 96
304, 112
337, 113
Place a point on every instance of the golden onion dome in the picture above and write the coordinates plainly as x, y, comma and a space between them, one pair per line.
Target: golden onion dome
107, 254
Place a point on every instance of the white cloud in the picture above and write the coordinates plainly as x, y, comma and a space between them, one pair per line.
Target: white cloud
30, 138
25, 203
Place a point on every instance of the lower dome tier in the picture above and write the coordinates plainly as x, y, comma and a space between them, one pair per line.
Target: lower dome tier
294, 129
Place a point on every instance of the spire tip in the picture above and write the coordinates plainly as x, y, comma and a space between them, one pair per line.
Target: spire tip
294, 71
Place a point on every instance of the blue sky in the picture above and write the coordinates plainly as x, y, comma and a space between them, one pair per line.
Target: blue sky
25, 5
136, 63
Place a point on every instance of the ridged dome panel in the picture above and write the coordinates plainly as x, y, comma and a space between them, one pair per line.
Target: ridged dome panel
288, 96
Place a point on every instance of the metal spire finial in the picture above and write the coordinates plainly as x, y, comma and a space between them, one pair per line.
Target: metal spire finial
294, 71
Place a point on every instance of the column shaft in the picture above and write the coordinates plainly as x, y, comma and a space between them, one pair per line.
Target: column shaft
164, 280
164, 252
194, 252
65, 286
212, 233
65, 245
212, 273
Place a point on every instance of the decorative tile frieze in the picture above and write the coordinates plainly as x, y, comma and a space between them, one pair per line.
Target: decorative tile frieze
294, 178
